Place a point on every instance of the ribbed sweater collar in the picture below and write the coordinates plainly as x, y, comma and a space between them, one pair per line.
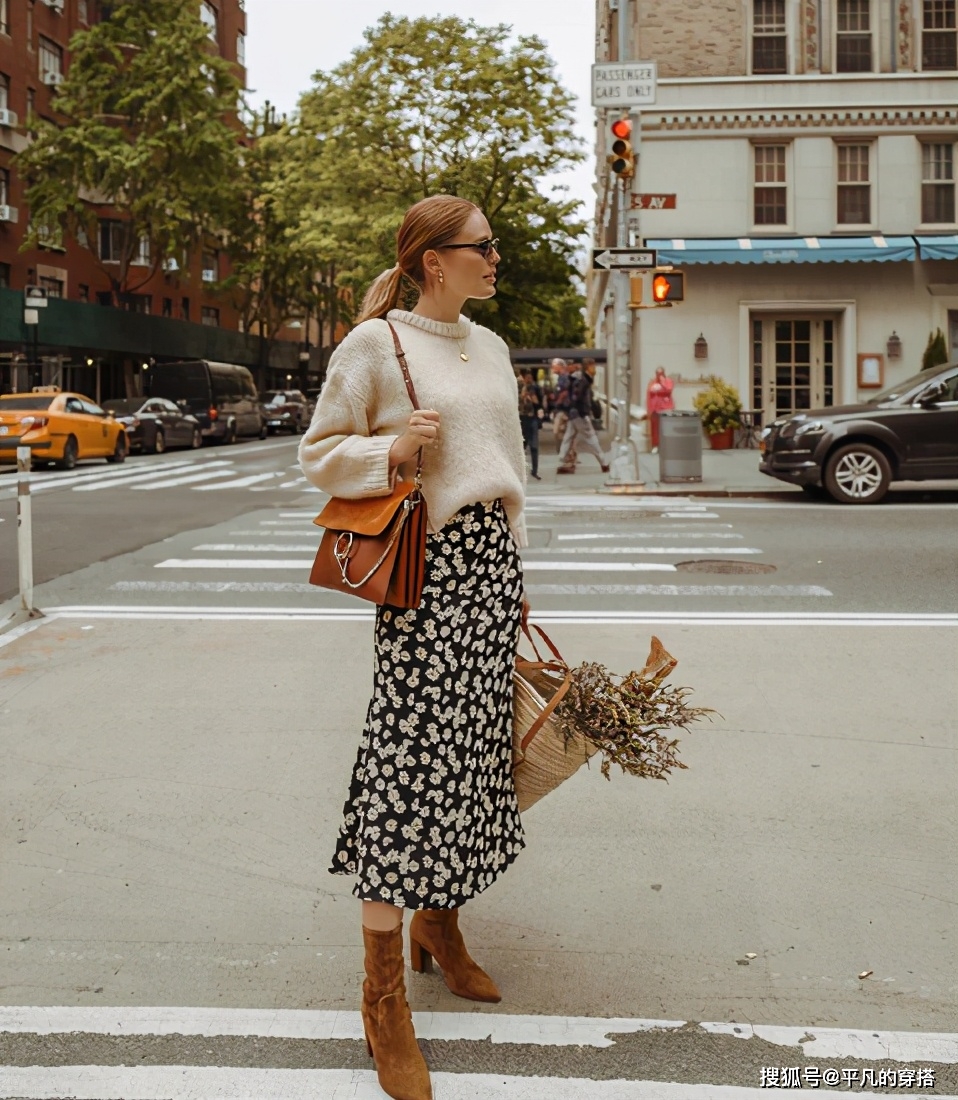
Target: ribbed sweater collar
455, 330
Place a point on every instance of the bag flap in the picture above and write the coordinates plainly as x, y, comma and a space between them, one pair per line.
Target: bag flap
369, 516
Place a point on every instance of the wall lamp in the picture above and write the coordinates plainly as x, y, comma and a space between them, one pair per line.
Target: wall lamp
701, 347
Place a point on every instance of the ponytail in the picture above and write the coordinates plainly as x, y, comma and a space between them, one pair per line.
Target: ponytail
384, 294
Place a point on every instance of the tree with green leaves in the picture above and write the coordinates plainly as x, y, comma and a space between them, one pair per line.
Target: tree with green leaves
444, 105
149, 137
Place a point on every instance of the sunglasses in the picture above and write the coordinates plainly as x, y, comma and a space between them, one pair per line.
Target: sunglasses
484, 248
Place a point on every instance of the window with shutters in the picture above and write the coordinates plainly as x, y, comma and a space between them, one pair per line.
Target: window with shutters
854, 185
240, 48
853, 38
938, 183
770, 195
210, 19
769, 37
939, 36
51, 57
4, 18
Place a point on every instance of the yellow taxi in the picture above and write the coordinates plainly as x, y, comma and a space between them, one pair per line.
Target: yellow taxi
62, 428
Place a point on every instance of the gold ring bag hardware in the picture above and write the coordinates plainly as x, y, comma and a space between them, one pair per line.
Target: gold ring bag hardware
375, 548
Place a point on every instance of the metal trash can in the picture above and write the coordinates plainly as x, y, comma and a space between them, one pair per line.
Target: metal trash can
680, 445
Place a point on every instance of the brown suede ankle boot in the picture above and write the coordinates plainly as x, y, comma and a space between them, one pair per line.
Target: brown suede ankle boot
387, 1021
434, 934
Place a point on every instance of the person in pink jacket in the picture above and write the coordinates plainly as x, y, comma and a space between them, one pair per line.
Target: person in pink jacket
658, 399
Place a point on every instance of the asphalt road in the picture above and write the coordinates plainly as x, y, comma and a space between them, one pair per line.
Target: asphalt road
175, 742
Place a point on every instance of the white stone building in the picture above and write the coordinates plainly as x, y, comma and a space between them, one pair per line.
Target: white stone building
812, 147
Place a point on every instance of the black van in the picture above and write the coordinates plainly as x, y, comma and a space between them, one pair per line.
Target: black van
221, 396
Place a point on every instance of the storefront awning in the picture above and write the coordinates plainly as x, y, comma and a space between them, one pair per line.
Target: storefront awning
783, 250
938, 248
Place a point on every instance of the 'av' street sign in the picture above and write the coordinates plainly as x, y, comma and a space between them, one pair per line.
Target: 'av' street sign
624, 83
623, 259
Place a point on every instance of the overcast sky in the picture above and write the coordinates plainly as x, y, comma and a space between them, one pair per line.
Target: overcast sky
288, 40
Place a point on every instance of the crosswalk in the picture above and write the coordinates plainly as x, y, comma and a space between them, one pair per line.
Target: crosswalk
147, 474
201, 1053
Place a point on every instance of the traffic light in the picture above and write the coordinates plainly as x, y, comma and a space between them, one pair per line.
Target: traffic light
622, 159
668, 287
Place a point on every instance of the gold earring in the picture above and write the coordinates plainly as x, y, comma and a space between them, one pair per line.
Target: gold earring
440, 277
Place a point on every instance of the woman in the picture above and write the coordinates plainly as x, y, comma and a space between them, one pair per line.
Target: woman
431, 819
658, 399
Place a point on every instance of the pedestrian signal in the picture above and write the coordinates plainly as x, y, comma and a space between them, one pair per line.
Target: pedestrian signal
622, 159
668, 287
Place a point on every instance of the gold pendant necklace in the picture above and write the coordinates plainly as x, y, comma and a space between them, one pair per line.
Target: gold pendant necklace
462, 351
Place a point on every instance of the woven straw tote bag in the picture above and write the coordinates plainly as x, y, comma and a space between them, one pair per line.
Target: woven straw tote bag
542, 757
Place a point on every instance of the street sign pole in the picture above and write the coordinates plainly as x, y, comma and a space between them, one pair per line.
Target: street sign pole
624, 459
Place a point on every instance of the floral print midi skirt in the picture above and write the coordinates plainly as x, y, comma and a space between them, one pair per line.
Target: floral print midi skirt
432, 818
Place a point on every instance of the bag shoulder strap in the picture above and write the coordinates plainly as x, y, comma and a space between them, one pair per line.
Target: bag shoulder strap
410, 388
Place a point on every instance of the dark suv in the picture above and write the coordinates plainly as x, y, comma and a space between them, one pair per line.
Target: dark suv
908, 432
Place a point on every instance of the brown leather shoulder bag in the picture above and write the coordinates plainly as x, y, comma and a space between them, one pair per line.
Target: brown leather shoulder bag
375, 548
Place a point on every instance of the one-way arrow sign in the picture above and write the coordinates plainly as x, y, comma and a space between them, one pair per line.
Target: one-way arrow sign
622, 259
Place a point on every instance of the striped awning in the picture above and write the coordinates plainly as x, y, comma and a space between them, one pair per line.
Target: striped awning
938, 248
782, 250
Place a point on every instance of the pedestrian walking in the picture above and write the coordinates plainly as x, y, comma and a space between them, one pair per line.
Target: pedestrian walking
658, 399
560, 416
431, 819
579, 430
530, 414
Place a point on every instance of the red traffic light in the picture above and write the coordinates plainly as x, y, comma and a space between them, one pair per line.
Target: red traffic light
668, 288
622, 128
622, 158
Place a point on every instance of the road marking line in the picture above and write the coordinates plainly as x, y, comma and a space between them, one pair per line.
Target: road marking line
188, 479
100, 473
676, 590
141, 477
209, 1083
596, 566
643, 550
499, 1028
240, 483
313, 533
234, 563
257, 548
354, 613
647, 534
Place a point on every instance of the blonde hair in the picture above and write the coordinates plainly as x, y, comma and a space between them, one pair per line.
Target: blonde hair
428, 224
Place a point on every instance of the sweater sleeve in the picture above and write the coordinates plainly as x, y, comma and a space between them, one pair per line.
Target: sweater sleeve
338, 454
515, 448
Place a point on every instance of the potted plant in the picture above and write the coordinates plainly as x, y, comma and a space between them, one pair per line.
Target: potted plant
720, 407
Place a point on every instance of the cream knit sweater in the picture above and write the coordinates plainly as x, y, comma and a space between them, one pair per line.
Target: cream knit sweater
364, 407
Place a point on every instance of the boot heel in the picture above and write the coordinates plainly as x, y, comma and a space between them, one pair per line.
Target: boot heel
419, 958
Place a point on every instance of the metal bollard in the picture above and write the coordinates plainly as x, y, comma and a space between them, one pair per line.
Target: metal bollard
24, 531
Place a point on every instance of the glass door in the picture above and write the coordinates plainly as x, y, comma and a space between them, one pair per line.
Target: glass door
793, 364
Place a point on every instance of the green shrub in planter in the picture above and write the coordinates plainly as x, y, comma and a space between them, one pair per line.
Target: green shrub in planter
719, 405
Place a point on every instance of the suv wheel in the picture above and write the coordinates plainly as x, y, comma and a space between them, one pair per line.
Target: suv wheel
858, 473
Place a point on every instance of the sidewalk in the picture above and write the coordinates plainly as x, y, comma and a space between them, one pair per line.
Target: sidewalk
731, 473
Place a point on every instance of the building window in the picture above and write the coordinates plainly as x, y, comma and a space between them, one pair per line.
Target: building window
853, 46
167, 307
137, 303
5, 276
30, 25
51, 57
111, 241
771, 187
854, 187
83, 13
938, 183
142, 257
769, 37
4, 91
210, 267
4, 187
83, 292
4, 18
210, 316
53, 287
31, 102
184, 309
210, 19
939, 36
241, 48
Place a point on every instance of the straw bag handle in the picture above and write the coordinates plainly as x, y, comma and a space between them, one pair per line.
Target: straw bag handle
558, 665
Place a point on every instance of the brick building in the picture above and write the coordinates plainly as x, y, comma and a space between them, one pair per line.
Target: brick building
82, 341
811, 146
